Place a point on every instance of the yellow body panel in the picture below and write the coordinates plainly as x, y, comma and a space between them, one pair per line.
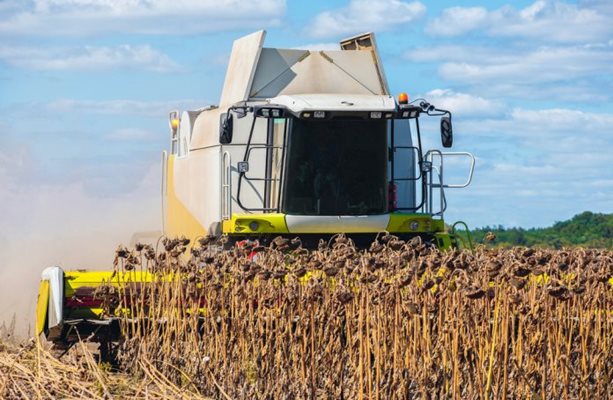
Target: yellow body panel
77, 279
42, 305
275, 223
443, 241
179, 220
401, 223
266, 223
74, 280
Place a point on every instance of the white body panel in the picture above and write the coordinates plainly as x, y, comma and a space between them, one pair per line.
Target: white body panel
336, 223
196, 178
55, 310
282, 71
241, 68
335, 102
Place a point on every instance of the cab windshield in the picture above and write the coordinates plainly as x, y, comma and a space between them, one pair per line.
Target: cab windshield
336, 167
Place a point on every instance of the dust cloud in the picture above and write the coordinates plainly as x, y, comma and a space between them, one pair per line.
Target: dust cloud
63, 225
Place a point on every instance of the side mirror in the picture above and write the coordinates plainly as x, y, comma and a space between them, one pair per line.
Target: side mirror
446, 132
225, 128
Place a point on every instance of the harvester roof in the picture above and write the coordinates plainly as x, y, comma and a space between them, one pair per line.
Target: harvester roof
256, 73
335, 102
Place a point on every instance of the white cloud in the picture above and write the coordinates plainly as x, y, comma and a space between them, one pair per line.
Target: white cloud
463, 104
604, 6
131, 134
319, 46
365, 15
556, 125
577, 72
543, 20
554, 146
12, 5
514, 169
602, 183
458, 53
142, 57
564, 120
548, 51
83, 17
457, 20
535, 166
545, 64
120, 106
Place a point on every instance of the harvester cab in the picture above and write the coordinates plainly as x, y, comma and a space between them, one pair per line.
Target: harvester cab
310, 144
304, 144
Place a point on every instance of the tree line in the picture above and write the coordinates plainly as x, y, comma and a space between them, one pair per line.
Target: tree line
586, 229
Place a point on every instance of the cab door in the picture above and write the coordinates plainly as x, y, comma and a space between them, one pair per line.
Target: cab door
403, 167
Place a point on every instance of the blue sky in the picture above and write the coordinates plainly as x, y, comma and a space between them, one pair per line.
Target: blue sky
86, 87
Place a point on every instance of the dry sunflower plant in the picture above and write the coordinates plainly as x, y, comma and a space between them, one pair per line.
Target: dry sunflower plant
399, 320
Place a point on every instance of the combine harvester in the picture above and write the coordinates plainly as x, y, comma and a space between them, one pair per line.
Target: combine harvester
304, 144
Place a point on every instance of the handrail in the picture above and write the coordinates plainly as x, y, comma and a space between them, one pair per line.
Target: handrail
431, 169
443, 198
441, 154
243, 175
266, 147
226, 186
